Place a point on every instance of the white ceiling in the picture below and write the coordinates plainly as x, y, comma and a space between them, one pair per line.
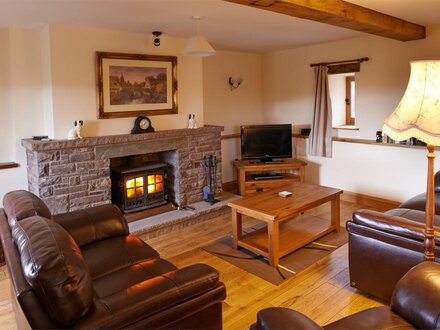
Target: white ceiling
226, 25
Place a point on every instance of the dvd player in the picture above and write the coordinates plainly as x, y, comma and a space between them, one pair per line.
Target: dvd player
267, 176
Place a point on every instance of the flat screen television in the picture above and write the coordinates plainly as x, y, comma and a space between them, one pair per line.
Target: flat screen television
266, 142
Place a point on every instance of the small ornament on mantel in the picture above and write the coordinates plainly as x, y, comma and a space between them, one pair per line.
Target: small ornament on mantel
192, 123
195, 125
75, 131
142, 124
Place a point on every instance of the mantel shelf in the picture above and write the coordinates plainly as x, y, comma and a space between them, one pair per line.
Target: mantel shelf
93, 141
8, 165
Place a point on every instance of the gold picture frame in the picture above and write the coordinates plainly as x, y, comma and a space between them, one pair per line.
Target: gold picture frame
131, 85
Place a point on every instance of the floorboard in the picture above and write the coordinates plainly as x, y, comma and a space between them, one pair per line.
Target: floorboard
322, 291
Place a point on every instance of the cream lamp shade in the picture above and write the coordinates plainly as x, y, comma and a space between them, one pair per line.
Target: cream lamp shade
198, 46
418, 113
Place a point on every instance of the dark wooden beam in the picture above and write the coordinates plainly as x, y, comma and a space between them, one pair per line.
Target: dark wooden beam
343, 14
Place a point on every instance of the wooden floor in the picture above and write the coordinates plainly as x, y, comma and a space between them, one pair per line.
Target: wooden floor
322, 291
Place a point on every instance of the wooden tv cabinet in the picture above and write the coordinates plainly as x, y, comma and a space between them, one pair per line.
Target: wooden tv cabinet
291, 169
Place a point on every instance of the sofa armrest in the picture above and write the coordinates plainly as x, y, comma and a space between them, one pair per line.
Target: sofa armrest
417, 295
393, 224
21, 204
93, 224
23, 298
283, 318
150, 297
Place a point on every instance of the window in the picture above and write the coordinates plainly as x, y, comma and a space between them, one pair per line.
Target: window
350, 100
343, 96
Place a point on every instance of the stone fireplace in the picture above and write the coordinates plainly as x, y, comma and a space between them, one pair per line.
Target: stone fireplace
75, 174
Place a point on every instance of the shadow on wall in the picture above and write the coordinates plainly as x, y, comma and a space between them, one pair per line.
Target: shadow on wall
312, 172
299, 147
300, 151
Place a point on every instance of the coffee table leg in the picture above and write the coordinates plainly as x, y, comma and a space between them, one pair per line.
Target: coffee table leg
274, 241
336, 217
236, 228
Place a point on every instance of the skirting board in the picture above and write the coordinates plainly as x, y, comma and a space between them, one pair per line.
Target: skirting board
230, 186
347, 196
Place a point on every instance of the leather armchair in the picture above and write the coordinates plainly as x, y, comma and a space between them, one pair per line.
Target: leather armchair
415, 304
83, 269
383, 246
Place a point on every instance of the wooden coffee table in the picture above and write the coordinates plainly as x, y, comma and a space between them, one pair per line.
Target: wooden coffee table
287, 228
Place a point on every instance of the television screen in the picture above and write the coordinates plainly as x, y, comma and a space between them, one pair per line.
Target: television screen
266, 142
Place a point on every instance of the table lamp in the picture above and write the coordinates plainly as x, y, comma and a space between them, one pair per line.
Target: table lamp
418, 115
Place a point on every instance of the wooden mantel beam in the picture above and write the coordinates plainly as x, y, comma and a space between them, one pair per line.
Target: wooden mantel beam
343, 14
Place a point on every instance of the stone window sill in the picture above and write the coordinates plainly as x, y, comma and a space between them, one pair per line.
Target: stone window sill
8, 165
347, 127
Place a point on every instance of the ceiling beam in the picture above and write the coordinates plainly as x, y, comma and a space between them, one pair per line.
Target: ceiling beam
343, 14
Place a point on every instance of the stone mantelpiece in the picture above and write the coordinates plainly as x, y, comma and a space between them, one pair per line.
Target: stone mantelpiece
74, 174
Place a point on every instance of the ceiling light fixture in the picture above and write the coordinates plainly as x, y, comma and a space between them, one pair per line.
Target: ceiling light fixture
198, 45
156, 40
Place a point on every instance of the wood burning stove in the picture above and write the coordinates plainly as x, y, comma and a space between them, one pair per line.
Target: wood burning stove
140, 187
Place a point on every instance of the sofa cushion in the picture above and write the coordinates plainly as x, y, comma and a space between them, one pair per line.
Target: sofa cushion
418, 203
21, 204
283, 318
110, 255
189, 289
414, 215
93, 224
54, 267
372, 318
134, 274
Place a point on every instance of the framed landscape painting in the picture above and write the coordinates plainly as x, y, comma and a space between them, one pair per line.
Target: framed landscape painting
130, 85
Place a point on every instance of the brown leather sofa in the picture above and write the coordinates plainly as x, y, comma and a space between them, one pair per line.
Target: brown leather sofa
383, 246
415, 304
84, 270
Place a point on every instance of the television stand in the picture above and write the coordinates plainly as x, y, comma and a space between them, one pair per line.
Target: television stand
290, 170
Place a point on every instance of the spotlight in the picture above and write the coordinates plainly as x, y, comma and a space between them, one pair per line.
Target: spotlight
156, 40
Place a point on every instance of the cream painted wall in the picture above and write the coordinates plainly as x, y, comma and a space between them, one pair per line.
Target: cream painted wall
46, 56
386, 172
72, 52
23, 109
6, 143
241, 106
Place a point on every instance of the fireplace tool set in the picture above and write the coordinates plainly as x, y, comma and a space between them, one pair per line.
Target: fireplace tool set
210, 165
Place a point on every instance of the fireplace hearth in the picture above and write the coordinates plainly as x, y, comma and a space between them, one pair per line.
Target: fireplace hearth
140, 187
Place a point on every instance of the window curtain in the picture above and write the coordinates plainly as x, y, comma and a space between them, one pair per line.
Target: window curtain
320, 140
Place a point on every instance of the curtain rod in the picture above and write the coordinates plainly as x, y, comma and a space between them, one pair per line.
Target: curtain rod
360, 60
